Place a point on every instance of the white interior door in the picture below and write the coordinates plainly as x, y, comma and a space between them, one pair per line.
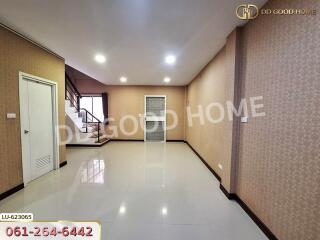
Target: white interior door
37, 128
155, 118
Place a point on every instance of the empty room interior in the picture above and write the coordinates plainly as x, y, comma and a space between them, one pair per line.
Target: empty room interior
160, 120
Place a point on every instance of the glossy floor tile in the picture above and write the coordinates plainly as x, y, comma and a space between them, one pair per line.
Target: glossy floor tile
137, 191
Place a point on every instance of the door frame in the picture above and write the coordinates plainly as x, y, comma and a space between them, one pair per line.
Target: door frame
165, 116
26, 170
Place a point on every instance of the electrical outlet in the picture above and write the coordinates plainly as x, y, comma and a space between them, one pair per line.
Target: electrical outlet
11, 115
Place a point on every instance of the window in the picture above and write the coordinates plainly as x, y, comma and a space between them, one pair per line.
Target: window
94, 105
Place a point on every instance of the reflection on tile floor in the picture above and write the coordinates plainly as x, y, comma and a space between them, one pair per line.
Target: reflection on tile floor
93, 172
137, 191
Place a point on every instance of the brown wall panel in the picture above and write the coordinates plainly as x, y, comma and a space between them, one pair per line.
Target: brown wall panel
279, 165
130, 100
277, 172
18, 54
211, 140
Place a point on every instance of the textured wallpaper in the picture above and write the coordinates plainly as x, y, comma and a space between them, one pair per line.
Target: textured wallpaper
17, 54
216, 83
279, 167
209, 139
125, 100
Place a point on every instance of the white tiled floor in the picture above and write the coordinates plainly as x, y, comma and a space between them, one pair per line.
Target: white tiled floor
137, 191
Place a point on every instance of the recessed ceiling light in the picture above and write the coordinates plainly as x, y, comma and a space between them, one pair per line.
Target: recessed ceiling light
164, 211
170, 59
122, 210
167, 79
123, 79
100, 58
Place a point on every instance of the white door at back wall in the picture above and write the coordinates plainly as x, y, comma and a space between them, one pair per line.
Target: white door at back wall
37, 128
155, 118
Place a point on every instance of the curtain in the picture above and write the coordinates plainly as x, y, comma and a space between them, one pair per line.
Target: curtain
105, 107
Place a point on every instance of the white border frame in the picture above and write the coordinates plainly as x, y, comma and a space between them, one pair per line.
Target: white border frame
165, 117
54, 88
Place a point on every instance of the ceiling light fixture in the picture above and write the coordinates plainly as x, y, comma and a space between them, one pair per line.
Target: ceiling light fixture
100, 58
167, 79
122, 210
170, 59
123, 79
164, 211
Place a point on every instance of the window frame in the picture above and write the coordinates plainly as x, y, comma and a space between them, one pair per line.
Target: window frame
92, 96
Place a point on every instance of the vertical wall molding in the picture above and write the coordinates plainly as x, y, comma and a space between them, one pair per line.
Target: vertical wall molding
236, 120
233, 94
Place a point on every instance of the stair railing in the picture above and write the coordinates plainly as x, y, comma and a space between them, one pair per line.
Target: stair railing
93, 120
73, 95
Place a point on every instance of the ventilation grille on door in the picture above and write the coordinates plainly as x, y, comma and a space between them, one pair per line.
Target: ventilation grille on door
155, 106
43, 162
154, 131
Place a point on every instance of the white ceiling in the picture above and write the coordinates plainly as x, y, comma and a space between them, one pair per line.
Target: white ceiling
134, 35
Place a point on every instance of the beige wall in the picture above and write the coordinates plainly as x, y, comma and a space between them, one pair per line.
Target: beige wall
208, 139
17, 54
278, 169
125, 100
279, 164
214, 84
278, 156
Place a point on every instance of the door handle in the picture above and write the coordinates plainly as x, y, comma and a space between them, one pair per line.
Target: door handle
26, 131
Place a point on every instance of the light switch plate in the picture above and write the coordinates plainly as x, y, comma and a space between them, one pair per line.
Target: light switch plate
11, 115
244, 119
